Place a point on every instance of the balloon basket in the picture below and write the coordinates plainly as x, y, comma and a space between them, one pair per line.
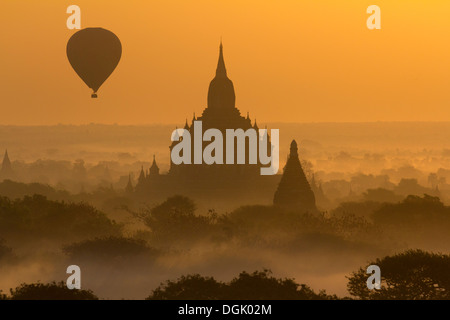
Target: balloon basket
94, 95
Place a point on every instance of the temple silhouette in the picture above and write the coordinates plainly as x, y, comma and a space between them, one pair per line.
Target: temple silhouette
224, 184
6, 172
294, 190
221, 113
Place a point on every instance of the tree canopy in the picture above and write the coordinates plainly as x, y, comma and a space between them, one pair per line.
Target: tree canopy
259, 285
39, 218
411, 275
49, 291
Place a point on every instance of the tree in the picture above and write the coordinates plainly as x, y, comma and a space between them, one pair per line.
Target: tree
381, 195
412, 275
414, 211
175, 220
176, 205
14, 190
360, 209
79, 171
50, 291
410, 186
259, 285
3, 296
36, 217
190, 287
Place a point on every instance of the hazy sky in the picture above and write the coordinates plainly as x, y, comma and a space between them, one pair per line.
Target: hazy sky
296, 61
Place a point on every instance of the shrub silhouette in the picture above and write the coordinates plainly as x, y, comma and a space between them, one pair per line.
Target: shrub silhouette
275, 227
50, 291
15, 190
361, 209
414, 211
36, 217
412, 275
175, 220
190, 287
381, 195
259, 285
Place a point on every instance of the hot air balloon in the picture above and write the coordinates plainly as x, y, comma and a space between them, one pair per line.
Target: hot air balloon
94, 53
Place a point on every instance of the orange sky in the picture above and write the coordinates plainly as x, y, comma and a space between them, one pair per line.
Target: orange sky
290, 61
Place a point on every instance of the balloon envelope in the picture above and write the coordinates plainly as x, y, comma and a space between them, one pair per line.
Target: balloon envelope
94, 54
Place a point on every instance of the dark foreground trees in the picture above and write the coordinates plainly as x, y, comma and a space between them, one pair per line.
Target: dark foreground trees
412, 275
259, 285
49, 291
35, 218
174, 221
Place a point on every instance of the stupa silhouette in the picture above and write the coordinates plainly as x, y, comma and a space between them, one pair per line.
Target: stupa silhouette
294, 191
7, 172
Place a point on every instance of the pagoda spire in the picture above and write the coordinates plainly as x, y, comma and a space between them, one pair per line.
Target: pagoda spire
221, 71
294, 191
129, 188
154, 169
6, 171
141, 178
6, 162
221, 93
255, 125
293, 154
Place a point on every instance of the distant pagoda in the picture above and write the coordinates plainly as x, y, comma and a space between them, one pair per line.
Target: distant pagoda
129, 188
7, 172
294, 191
154, 169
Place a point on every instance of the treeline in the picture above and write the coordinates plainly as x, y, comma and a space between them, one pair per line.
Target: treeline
81, 230
411, 275
85, 235
415, 221
35, 218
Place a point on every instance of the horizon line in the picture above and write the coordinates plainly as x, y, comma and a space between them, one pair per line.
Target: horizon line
270, 122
